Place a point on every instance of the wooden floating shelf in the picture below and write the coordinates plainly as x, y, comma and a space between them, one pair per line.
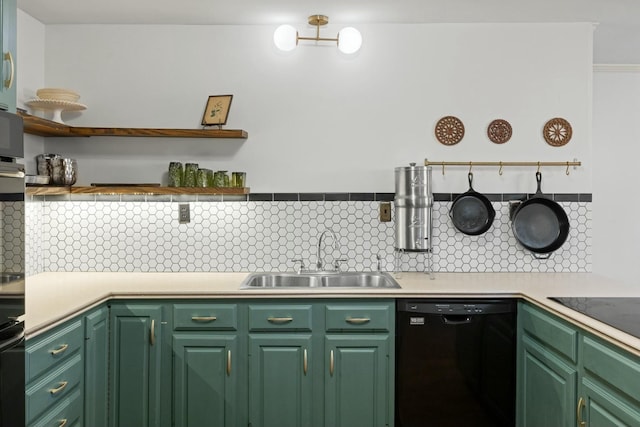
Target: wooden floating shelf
42, 127
48, 190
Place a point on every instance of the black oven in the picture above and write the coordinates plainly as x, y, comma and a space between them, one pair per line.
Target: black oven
12, 271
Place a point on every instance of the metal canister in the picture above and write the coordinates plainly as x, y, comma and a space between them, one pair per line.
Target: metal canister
64, 171
44, 163
413, 208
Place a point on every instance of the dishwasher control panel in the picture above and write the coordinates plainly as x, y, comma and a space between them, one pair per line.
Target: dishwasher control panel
457, 307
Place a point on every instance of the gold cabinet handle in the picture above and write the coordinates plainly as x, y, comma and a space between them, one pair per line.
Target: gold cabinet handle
331, 363
61, 386
280, 320
9, 82
204, 318
579, 413
228, 362
152, 332
305, 363
63, 422
59, 350
357, 320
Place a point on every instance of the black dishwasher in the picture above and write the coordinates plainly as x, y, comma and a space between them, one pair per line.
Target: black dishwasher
455, 362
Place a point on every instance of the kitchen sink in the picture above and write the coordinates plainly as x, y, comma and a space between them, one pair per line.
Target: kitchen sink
319, 280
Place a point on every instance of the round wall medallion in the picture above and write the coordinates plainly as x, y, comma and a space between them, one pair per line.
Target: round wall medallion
499, 131
449, 130
557, 132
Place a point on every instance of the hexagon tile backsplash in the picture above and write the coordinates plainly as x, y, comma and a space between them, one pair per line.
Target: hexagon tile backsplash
264, 236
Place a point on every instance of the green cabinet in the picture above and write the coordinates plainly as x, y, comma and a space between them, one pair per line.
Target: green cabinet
216, 363
547, 387
54, 375
280, 380
316, 363
567, 376
357, 380
610, 385
359, 349
547, 370
8, 9
207, 366
140, 379
96, 367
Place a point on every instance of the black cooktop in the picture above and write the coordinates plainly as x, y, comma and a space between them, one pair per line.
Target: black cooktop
621, 313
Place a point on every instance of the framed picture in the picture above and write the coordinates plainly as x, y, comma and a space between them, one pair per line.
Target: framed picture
217, 110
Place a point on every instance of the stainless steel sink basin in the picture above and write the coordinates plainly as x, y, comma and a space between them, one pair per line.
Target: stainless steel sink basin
319, 280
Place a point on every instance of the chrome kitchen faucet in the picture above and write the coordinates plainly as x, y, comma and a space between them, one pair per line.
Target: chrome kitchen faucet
335, 245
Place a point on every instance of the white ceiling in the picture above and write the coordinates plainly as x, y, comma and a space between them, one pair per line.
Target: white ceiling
617, 37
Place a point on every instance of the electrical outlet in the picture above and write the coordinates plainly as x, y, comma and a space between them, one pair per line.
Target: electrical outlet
184, 214
385, 211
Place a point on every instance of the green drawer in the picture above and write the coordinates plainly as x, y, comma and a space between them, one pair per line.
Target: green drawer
211, 317
52, 389
280, 317
46, 351
614, 367
550, 331
67, 413
355, 317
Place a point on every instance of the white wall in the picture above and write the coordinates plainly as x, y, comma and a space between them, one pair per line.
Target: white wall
616, 150
30, 75
322, 121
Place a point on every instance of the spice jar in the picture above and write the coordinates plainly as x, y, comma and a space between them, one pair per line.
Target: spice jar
190, 175
238, 179
220, 179
201, 179
175, 174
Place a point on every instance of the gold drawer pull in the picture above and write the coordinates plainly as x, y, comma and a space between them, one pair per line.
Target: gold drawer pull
152, 332
579, 414
280, 320
9, 82
357, 320
59, 350
63, 422
228, 362
331, 364
204, 318
58, 389
305, 363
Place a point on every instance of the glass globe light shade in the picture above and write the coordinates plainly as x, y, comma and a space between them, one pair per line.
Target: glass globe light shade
349, 40
285, 37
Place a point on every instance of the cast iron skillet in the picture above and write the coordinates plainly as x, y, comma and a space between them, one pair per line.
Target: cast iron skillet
540, 224
471, 212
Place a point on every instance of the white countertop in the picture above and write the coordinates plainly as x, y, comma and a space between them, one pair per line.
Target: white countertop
51, 298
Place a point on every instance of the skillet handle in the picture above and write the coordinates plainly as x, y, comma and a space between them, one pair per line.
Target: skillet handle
545, 256
539, 182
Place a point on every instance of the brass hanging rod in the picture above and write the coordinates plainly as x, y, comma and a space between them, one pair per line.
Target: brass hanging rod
500, 165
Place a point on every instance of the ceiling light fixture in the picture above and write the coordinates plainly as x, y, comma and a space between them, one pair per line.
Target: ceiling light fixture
349, 39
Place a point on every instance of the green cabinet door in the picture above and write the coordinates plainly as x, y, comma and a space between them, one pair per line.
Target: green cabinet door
140, 393
358, 380
600, 408
96, 366
280, 380
205, 380
547, 387
7, 75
